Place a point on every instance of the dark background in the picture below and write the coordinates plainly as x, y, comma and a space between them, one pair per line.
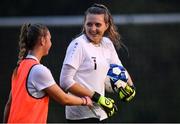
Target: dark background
153, 60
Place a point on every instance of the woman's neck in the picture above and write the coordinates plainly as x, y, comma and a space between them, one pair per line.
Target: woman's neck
34, 53
94, 43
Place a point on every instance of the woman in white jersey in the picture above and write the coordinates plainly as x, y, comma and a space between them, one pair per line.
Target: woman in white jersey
32, 82
87, 62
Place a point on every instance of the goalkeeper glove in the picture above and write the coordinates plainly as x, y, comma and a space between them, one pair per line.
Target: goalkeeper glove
106, 103
126, 93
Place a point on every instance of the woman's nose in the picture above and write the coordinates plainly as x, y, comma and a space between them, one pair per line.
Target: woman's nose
93, 28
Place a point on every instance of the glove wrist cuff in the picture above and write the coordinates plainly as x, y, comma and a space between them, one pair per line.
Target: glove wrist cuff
95, 96
133, 87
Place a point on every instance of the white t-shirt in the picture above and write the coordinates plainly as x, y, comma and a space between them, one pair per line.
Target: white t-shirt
39, 78
92, 64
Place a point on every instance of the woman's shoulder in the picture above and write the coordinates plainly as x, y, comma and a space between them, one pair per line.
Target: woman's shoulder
40, 71
79, 41
107, 41
40, 68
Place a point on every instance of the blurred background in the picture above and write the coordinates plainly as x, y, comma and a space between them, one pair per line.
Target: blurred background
150, 30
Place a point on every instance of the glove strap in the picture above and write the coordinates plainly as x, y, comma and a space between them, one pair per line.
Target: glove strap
95, 96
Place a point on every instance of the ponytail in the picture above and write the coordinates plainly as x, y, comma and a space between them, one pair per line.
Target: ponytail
23, 42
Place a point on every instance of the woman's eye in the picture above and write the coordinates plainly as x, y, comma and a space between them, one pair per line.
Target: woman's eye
89, 24
98, 24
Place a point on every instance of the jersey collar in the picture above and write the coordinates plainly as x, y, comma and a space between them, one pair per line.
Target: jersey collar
32, 57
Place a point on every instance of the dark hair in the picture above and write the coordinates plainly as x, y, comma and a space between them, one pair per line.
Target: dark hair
111, 32
29, 35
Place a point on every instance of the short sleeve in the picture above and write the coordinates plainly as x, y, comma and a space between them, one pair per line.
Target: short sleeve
41, 77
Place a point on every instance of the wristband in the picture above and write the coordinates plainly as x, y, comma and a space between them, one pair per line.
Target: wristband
95, 96
84, 101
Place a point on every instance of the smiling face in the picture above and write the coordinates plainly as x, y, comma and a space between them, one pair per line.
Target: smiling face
95, 27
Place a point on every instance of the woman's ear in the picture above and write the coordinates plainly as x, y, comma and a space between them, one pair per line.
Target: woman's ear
42, 41
107, 26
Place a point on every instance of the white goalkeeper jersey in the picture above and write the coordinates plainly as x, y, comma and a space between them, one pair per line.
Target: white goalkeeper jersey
92, 64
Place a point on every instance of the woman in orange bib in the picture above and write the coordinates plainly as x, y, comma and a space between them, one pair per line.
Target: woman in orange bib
32, 82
